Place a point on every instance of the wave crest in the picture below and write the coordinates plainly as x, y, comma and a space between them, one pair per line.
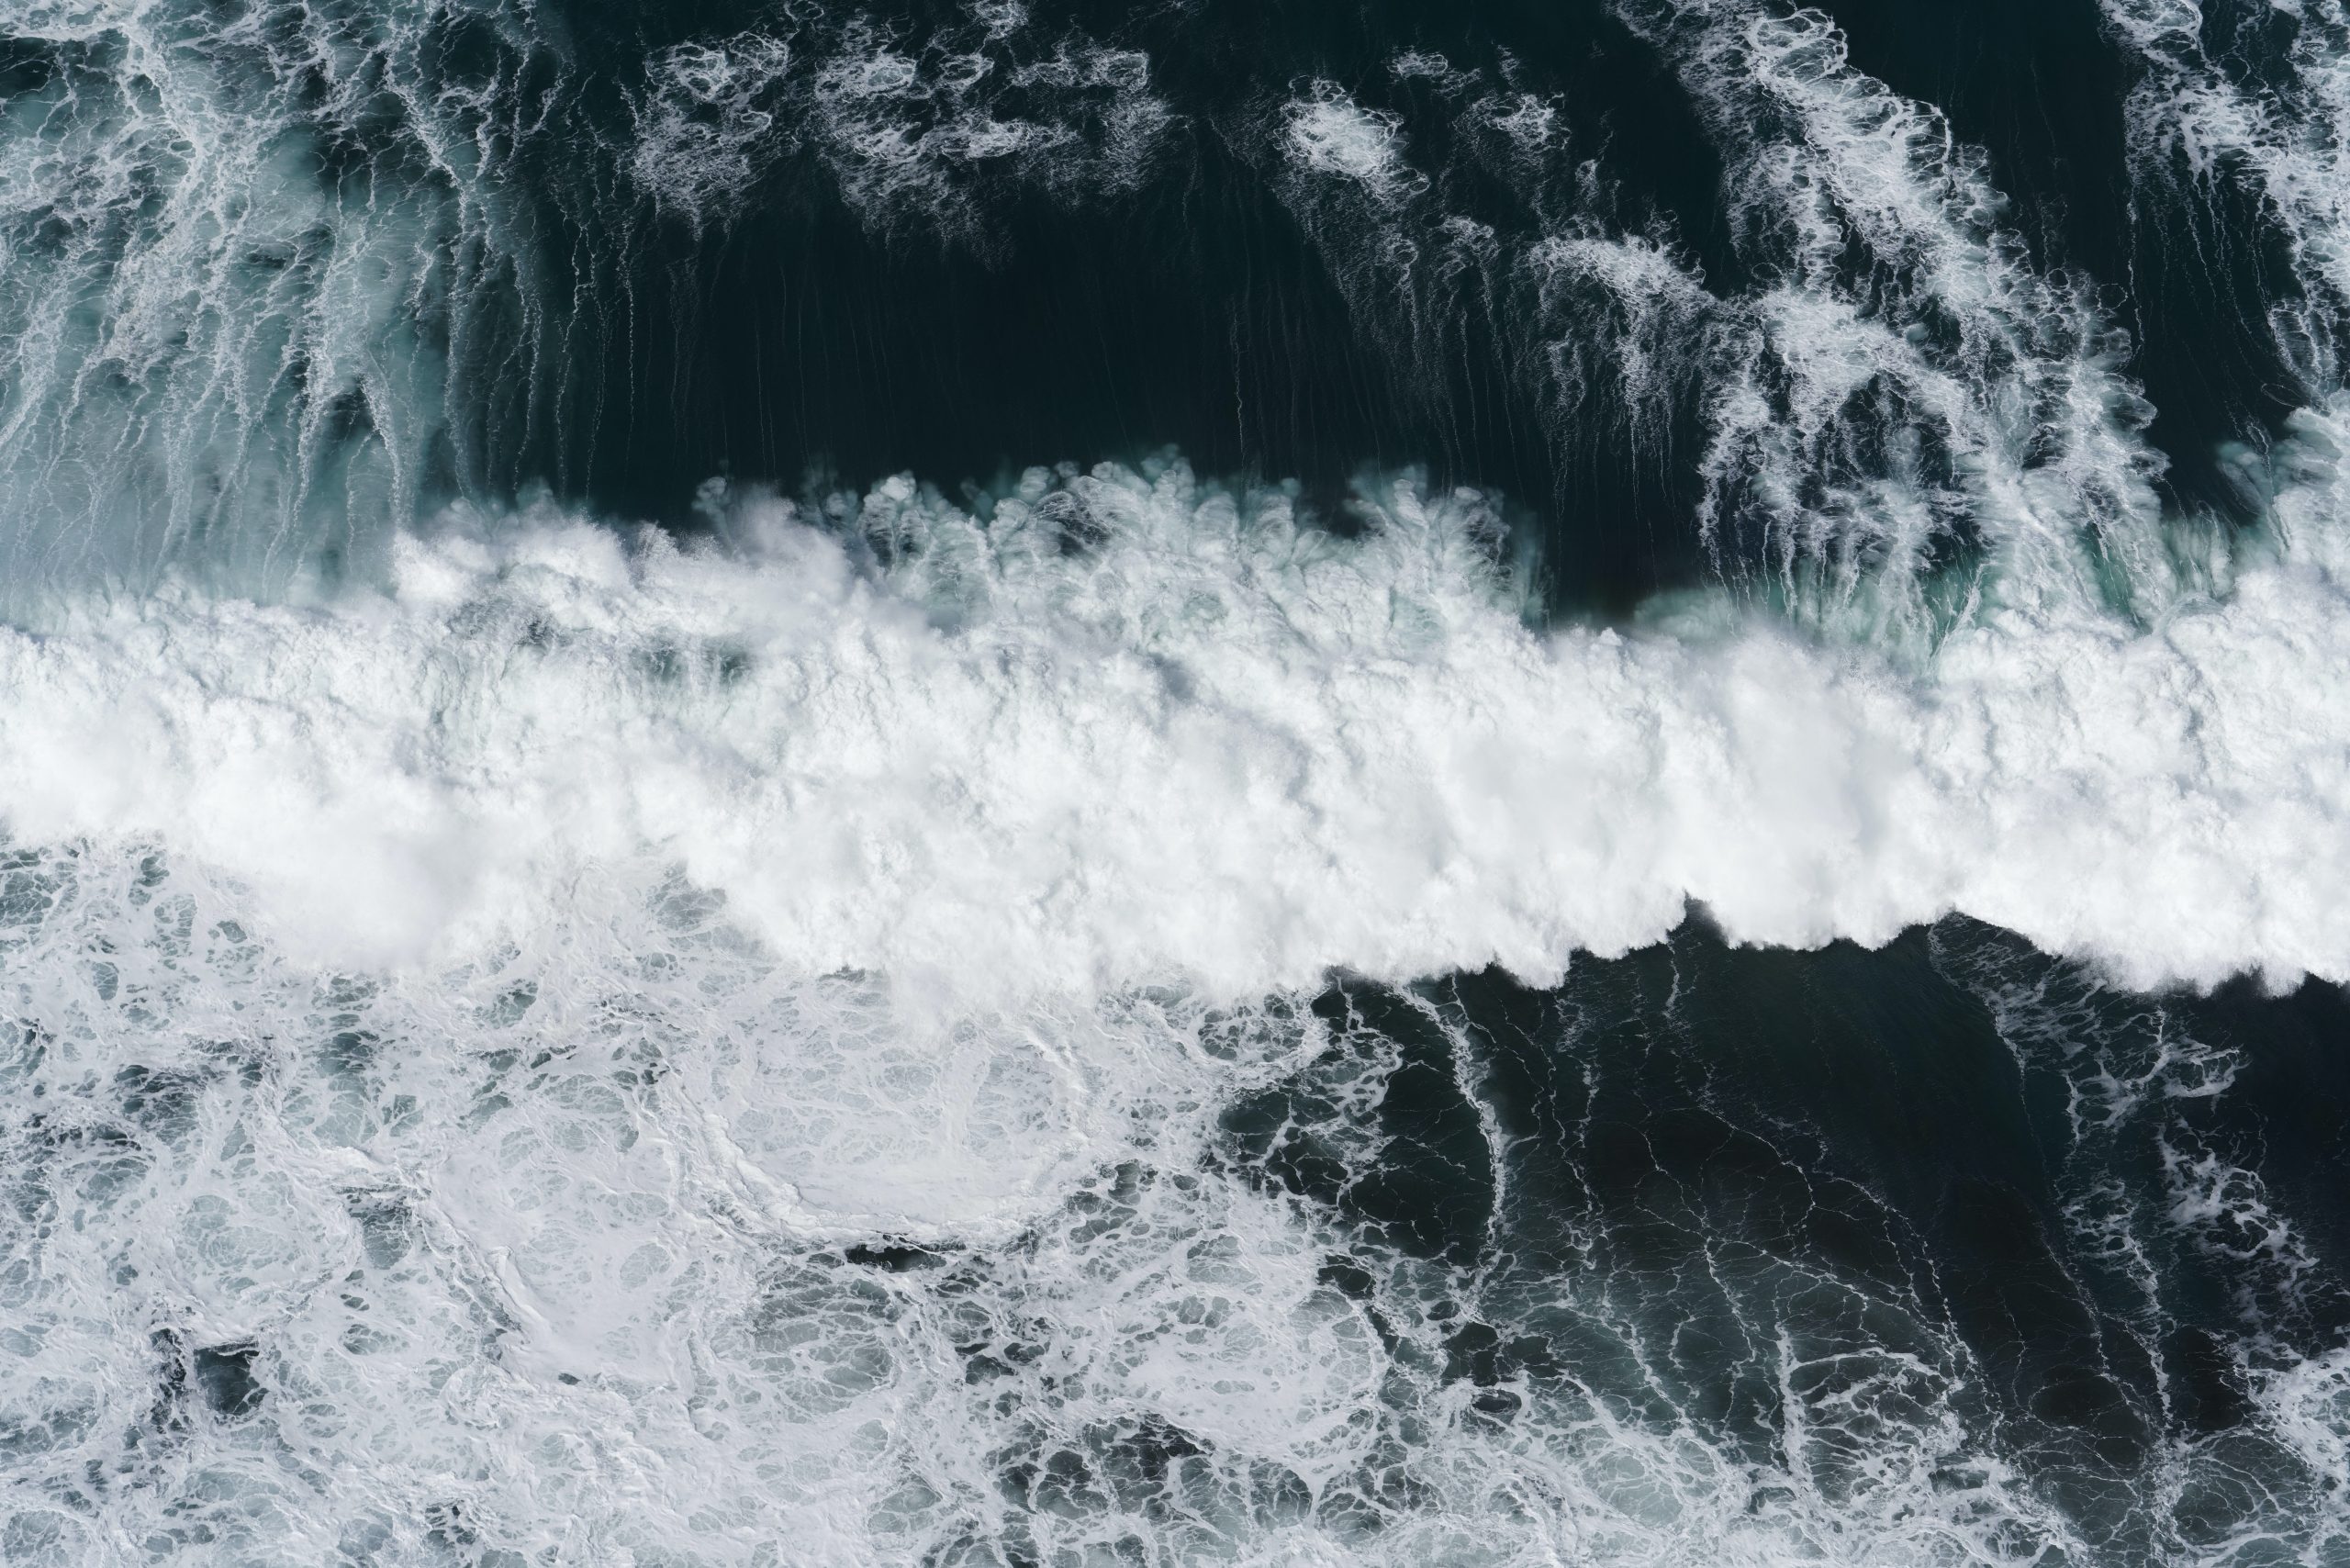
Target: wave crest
1125, 726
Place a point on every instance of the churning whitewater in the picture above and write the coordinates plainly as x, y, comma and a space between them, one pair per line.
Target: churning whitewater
1208, 747
1019, 785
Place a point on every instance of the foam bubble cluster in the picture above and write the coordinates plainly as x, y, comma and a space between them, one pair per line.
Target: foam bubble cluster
632, 1236
1132, 727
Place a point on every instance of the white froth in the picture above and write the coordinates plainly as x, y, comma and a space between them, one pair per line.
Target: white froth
499, 1003
706, 125
917, 138
1426, 65
195, 322
506, 1279
2283, 134
1329, 133
553, 1253
1998, 380
1903, 383
1215, 746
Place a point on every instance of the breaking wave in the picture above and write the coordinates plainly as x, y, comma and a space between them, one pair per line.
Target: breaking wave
1129, 726
1110, 1014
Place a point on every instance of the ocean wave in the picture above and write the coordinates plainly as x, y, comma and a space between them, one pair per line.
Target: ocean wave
1132, 727
1129, 1016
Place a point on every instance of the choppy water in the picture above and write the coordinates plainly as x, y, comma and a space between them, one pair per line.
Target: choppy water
1154, 784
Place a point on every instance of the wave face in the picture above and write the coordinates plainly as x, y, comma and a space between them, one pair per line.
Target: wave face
1632, 854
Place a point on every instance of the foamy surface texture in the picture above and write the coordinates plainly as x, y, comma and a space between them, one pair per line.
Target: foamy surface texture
622, 944
609, 1049
1133, 730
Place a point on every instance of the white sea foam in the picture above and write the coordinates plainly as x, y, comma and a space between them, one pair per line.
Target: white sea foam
706, 125
1947, 351
195, 321
1426, 65
1329, 133
495, 1008
2283, 133
536, 1257
913, 129
914, 138
497, 1004
2134, 1076
1900, 382
279, 280
1211, 746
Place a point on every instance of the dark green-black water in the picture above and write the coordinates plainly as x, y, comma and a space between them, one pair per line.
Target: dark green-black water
467, 251
1948, 1177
